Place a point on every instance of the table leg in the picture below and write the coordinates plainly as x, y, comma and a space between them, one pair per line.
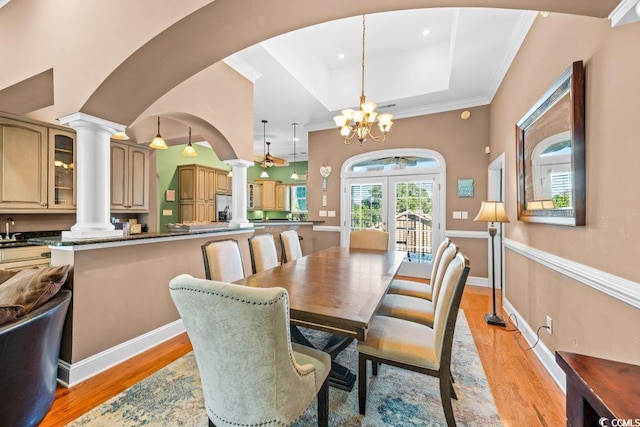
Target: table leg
340, 376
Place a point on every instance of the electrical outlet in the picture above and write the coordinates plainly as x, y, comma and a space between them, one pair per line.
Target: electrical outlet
549, 325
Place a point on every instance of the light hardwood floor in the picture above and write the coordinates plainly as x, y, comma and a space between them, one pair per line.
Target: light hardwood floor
525, 394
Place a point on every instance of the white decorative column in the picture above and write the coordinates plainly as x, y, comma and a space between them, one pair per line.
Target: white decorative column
239, 191
93, 176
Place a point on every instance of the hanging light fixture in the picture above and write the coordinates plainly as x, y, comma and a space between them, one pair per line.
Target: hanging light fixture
189, 150
294, 175
264, 173
357, 124
158, 143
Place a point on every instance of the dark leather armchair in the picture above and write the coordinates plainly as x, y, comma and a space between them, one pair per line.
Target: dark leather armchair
29, 349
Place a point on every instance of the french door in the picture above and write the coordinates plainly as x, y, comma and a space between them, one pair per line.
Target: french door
403, 205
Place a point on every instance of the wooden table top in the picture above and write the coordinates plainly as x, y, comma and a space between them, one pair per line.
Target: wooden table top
612, 388
336, 290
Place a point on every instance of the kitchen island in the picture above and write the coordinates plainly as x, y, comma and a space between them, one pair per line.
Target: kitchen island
121, 304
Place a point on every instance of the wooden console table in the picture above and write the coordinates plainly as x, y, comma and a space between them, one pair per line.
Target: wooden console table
598, 388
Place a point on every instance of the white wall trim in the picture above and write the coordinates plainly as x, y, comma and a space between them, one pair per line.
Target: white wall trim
617, 287
478, 281
72, 374
467, 234
541, 351
334, 228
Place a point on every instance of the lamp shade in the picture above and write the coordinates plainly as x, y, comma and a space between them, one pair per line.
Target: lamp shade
492, 211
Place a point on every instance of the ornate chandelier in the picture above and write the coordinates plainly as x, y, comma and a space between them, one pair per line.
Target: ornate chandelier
356, 124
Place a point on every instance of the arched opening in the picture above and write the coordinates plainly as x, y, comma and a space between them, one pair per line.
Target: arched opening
401, 191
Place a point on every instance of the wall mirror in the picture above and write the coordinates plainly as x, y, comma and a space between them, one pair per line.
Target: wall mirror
550, 149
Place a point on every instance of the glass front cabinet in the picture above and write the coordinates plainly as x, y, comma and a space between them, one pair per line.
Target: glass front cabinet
62, 176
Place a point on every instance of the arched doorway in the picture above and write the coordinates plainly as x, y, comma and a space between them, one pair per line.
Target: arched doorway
401, 191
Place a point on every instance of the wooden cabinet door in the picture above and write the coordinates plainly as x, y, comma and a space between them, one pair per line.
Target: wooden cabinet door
119, 169
138, 197
211, 185
211, 212
23, 165
268, 195
186, 183
201, 185
186, 212
282, 197
222, 182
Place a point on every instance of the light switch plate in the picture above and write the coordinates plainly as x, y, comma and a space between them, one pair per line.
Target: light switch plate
465, 215
332, 214
324, 200
322, 213
457, 215
167, 212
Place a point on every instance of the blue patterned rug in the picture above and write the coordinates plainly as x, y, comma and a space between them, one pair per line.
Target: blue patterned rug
173, 396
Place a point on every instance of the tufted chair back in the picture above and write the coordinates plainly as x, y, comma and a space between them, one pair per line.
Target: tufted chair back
251, 375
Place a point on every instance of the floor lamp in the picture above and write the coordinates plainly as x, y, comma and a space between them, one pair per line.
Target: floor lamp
493, 212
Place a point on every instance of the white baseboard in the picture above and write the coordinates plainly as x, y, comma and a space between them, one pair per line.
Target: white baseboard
478, 281
541, 351
72, 374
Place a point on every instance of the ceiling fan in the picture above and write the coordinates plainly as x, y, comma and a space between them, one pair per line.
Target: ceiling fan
271, 160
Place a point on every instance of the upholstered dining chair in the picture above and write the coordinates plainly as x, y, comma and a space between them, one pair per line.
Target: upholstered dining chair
417, 289
252, 375
417, 309
222, 260
369, 239
291, 249
417, 347
264, 255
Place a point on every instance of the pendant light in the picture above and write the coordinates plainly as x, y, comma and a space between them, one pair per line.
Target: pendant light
189, 150
264, 173
158, 143
294, 175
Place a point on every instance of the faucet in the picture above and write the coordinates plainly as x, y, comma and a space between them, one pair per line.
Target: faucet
7, 227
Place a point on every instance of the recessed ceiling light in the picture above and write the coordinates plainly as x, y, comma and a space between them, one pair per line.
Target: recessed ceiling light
544, 13
341, 56
426, 32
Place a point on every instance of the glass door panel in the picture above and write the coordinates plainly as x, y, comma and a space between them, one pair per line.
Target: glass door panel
63, 157
412, 226
367, 205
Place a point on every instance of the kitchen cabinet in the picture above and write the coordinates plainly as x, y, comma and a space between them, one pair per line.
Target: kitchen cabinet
24, 160
15, 259
196, 193
129, 178
268, 195
275, 195
223, 182
62, 175
282, 197
254, 196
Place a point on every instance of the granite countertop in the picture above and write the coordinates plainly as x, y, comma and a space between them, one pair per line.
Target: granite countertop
57, 240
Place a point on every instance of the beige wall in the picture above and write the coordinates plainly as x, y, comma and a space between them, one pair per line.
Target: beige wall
461, 142
585, 320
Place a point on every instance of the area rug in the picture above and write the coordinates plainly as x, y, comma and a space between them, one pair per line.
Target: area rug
173, 396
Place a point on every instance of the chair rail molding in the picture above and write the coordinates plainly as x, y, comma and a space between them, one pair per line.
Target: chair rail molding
616, 287
467, 234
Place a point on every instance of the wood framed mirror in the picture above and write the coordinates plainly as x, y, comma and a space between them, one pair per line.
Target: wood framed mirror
550, 147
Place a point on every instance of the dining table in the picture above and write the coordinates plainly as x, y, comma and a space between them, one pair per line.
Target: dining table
336, 290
